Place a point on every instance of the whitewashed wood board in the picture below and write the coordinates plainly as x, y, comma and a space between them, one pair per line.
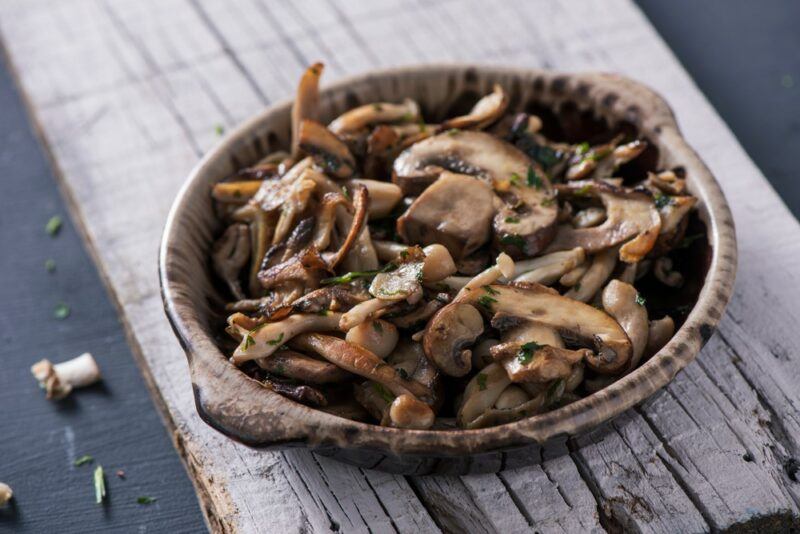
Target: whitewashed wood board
127, 95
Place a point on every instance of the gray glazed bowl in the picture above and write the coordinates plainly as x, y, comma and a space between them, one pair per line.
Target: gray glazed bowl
241, 408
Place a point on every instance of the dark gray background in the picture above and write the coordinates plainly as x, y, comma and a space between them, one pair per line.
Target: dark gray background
744, 55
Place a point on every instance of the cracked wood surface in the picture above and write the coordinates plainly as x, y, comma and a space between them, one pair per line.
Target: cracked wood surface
128, 93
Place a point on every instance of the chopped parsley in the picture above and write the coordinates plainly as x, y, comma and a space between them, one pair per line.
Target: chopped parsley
481, 379
548, 202
534, 179
515, 178
384, 393
512, 220
61, 311
377, 107
582, 148
345, 193
453, 132
99, 485
407, 116
526, 352
661, 200
85, 459
322, 313
486, 301
513, 240
50, 265
276, 341
577, 286
583, 190
248, 342
353, 275
53, 226
219, 129
491, 290
640, 300
146, 500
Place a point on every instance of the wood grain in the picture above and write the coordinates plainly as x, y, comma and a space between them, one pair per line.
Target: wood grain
128, 94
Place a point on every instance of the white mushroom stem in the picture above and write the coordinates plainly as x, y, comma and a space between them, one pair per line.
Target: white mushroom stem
503, 268
60, 379
621, 301
511, 397
369, 309
573, 277
549, 268
388, 250
437, 265
379, 337
265, 339
5, 493
597, 273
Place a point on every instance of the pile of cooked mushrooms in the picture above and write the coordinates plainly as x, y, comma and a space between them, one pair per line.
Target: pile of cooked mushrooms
467, 273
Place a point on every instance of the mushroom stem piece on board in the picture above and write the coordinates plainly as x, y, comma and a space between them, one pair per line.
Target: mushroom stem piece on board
59, 380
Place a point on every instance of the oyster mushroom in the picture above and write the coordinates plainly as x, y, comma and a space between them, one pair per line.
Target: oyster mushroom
306, 103
534, 362
486, 111
623, 303
631, 218
330, 298
265, 339
662, 269
229, 255
511, 397
674, 213
658, 333
456, 211
326, 149
325, 220
357, 228
361, 117
292, 364
667, 182
595, 276
573, 320
60, 379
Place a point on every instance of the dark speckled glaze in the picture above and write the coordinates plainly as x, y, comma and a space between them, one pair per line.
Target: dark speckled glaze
243, 409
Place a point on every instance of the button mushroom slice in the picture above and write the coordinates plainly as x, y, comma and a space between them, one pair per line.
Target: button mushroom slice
595, 276
448, 335
410, 361
361, 117
575, 321
591, 216
526, 221
266, 338
383, 196
306, 103
292, 364
360, 361
326, 149
481, 393
456, 212
235, 192
662, 269
631, 217
549, 268
325, 220
486, 111
658, 333
378, 336
623, 303
229, 255
573, 277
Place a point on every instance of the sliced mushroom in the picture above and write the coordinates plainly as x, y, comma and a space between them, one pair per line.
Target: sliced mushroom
293, 364
326, 149
667, 182
575, 321
378, 336
383, 196
674, 213
511, 397
364, 311
361, 117
420, 315
267, 338
623, 302
486, 111
381, 145
503, 268
331, 298
481, 353
403, 283
295, 202
481, 393
409, 359
532, 362
306, 103
229, 256
662, 269
549, 268
456, 211
448, 334
297, 392
659, 332
306, 269
586, 218
595, 276
357, 228
326, 218
630, 216
573, 277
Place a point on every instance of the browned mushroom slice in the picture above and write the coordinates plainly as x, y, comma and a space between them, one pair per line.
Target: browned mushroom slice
326, 149
378, 113
263, 340
448, 336
230, 254
235, 192
330, 298
667, 182
526, 221
631, 217
292, 364
300, 393
486, 111
658, 333
575, 321
674, 212
623, 303
273, 192
306, 268
532, 362
586, 218
455, 211
381, 144
595, 276
481, 393
306, 103
357, 226
325, 220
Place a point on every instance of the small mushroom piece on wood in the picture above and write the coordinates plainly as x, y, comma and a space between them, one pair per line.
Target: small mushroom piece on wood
58, 380
623, 302
486, 111
306, 103
6, 493
327, 150
367, 115
229, 256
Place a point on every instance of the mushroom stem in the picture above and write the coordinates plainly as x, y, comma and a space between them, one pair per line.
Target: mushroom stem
267, 338
59, 380
503, 268
361, 312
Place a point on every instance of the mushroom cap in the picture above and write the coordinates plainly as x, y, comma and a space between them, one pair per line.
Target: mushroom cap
449, 331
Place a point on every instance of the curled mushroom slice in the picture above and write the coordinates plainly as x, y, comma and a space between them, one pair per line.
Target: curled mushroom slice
481, 393
456, 212
378, 336
378, 113
293, 364
630, 216
486, 111
575, 321
662, 269
230, 254
595, 276
326, 218
383, 196
306, 269
265, 339
306, 103
330, 298
369, 309
586, 218
295, 202
326, 149
448, 335
360, 361
357, 228
623, 303
658, 333
549, 268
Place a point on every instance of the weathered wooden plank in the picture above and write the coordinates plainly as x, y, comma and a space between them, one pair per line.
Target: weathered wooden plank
125, 136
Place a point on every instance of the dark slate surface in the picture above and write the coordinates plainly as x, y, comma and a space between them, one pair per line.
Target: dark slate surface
116, 422
743, 55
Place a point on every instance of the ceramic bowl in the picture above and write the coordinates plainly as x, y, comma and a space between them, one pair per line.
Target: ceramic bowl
574, 106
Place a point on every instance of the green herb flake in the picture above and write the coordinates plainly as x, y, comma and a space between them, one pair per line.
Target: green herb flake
452, 132
345, 193
527, 351
377, 107
640, 300
486, 301
50, 265
583, 191
404, 254
219, 130
377, 326
687, 241
145, 500
347, 277
61, 311
513, 240
662, 200
582, 148
248, 342
322, 313
515, 178
53, 226
406, 117
99, 485
577, 286
534, 179
384, 393
512, 220
491, 290
85, 459
548, 202
481, 379
276, 341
